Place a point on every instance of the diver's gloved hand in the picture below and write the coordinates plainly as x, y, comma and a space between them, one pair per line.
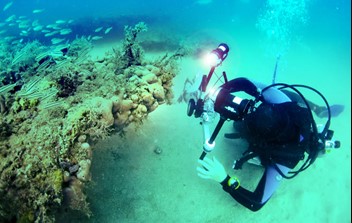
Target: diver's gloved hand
212, 169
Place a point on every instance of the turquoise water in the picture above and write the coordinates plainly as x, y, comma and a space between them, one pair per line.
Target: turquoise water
313, 40
273, 25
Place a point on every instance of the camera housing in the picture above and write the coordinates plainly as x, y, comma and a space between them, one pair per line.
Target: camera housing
230, 106
227, 105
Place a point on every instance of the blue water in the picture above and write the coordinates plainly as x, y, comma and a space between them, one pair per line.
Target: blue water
334, 15
273, 26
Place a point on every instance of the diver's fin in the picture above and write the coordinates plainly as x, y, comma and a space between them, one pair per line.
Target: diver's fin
335, 110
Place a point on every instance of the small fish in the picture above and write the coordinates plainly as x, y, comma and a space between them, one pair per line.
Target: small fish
97, 37
18, 41
70, 21
56, 40
38, 28
7, 88
23, 26
9, 38
51, 33
56, 28
98, 29
108, 30
37, 11
8, 5
50, 25
23, 34
10, 18
60, 21
65, 31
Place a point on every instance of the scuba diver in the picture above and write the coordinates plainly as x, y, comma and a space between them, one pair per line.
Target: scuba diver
277, 122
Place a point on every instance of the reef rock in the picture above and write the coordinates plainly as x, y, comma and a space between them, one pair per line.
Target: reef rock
47, 137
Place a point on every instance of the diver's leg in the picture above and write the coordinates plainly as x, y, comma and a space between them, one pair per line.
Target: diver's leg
334, 109
320, 111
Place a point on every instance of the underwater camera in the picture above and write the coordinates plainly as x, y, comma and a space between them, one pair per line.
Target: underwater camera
219, 100
226, 104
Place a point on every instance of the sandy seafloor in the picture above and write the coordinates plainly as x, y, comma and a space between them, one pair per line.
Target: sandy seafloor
131, 183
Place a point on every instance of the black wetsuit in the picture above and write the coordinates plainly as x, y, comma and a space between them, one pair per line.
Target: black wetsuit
271, 178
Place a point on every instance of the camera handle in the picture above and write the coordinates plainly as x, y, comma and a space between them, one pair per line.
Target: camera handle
209, 143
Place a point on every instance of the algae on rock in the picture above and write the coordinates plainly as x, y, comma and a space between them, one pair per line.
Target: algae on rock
45, 147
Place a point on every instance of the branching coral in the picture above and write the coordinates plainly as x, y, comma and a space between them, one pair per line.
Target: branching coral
132, 52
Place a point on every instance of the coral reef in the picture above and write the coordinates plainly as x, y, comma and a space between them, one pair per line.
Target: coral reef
132, 52
55, 104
